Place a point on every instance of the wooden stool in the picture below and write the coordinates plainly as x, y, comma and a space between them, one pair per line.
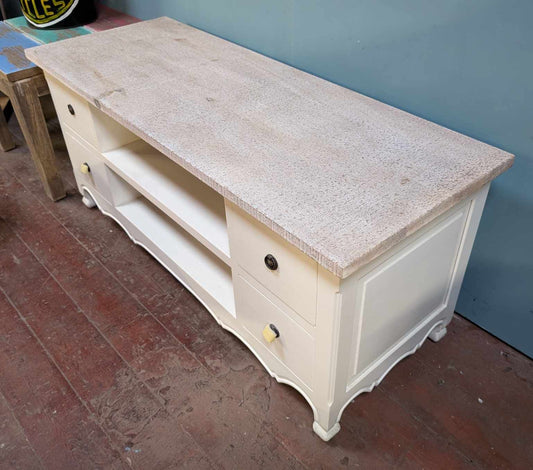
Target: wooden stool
23, 82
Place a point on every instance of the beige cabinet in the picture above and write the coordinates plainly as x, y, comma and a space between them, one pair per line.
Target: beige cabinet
328, 231
334, 338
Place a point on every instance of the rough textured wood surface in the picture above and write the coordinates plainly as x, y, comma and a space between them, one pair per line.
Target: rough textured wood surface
24, 95
107, 362
13, 63
23, 82
6, 140
339, 175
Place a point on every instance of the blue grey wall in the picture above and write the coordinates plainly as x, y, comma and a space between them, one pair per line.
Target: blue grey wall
467, 65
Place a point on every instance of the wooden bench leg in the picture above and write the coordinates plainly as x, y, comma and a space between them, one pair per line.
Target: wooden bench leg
6, 139
25, 99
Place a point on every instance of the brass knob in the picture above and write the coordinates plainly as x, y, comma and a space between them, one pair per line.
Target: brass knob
270, 333
271, 262
71, 109
85, 168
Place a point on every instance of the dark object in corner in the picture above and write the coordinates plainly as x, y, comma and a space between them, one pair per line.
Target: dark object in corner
58, 14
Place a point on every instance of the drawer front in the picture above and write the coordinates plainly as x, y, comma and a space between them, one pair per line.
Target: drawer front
81, 153
73, 111
294, 279
95, 127
295, 347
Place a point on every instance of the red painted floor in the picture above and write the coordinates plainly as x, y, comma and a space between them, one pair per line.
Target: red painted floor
107, 362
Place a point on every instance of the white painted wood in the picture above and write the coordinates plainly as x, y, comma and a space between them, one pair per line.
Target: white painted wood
94, 126
181, 249
224, 318
81, 152
365, 380
219, 313
438, 333
338, 337
295, 279
81, 121
192, 204
316, 360
472, 223
88, 201
121, 192
294, 347
329, 353
401, 292
109, 133
324, 434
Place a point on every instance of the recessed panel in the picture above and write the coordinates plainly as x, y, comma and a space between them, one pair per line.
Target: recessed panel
398, 294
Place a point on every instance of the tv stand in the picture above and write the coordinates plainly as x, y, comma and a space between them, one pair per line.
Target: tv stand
329, 232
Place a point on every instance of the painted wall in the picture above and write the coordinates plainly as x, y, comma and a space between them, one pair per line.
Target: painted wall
467, 65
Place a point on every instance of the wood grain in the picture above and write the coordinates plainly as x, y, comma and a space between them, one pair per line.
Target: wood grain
13, 63
24, 95
341, 176
6, 140
23, 82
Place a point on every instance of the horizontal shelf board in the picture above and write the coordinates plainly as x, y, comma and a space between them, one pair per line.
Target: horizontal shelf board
183, 197
183, 250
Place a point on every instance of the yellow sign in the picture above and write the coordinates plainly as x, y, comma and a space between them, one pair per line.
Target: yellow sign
43, 13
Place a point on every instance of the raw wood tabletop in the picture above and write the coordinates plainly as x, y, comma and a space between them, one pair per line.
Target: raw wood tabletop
340, 175
13, 63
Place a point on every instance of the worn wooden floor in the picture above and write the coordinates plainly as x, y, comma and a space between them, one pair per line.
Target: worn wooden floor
107, 362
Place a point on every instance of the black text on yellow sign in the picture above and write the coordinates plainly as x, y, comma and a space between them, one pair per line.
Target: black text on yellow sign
42, 12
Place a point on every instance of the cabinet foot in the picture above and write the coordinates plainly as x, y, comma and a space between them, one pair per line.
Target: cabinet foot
326, 435
88, 200
438, 333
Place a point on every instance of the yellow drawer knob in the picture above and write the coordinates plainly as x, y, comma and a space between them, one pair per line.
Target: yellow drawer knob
270, 333
85, 168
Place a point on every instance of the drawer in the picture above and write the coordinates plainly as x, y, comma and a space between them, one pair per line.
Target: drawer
294, 279
73, 110
295, 347
78, 115
81, 153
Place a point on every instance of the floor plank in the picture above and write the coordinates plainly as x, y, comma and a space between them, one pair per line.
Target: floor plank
16, 452
171, 373
53, 419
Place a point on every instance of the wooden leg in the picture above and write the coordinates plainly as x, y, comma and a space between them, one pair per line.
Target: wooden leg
6, 139
25, 99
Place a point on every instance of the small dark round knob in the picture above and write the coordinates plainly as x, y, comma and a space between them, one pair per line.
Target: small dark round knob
71, 109
271, 262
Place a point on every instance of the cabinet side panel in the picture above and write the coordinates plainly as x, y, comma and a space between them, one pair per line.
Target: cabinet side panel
410, 286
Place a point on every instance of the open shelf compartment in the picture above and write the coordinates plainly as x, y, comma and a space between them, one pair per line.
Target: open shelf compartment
173, 246
196, 207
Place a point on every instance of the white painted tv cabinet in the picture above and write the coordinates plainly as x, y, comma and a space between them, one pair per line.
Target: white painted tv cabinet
328, 231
